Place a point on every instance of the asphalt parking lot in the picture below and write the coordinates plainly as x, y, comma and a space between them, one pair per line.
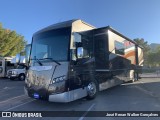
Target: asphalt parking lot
142, 95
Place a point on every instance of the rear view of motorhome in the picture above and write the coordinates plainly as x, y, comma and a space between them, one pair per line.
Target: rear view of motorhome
72, 60
5, 65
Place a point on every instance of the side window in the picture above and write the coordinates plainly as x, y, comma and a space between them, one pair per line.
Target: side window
87, 47
84, 40
20, 67
76, 39
8, 63
119, 48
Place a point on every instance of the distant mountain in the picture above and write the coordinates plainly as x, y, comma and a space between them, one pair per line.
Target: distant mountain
154, 46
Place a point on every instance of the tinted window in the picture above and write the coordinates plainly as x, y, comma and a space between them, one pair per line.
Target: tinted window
87, 44
20, 67
101, 49
8, 63
119, 48
51, 44
84, 40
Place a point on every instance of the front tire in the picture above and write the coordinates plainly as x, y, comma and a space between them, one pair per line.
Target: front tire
21, 77
92, 90
133, 76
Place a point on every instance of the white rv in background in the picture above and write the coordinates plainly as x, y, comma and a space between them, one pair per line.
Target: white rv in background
19, 70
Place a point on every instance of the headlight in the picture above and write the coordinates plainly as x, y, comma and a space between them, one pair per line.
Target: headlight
14, 72
58, 79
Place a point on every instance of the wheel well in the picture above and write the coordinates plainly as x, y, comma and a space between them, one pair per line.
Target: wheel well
22, 74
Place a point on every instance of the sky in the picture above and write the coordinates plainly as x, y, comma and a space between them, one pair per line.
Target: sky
132, 18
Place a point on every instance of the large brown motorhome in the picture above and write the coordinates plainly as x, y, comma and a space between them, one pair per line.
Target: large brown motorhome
73, 59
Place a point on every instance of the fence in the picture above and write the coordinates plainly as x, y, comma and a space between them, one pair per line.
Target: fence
150, 72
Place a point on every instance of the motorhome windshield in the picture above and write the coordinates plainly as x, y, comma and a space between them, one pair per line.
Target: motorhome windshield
51, 44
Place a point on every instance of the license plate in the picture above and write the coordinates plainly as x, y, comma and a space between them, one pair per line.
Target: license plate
36, 96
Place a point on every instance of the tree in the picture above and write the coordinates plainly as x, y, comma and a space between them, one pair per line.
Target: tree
11, 43
143, 43
153, 58
157, 56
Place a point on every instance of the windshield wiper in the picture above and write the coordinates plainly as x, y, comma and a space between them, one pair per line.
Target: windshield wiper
52, 60
38, 61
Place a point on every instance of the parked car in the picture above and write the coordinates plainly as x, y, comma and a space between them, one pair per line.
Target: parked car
19, 73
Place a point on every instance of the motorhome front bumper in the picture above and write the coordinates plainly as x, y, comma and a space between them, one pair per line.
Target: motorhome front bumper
36, 93
61, 97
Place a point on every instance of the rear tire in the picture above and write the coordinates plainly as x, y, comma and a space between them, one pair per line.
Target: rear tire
92, 90
21, 77
133, 76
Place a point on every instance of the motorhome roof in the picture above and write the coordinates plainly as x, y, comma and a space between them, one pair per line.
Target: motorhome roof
61, 25
115, 31
70, 22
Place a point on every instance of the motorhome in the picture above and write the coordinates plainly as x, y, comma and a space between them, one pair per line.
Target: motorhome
73, 59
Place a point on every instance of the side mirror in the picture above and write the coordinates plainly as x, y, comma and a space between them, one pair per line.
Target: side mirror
79, 52
27, 51
18, 58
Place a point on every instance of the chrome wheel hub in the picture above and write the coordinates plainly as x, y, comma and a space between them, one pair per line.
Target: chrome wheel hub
91, 89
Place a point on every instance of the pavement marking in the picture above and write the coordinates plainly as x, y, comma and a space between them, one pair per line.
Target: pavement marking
12, 98
83, 116
19, 105
6, 88
145, 91
141, 82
